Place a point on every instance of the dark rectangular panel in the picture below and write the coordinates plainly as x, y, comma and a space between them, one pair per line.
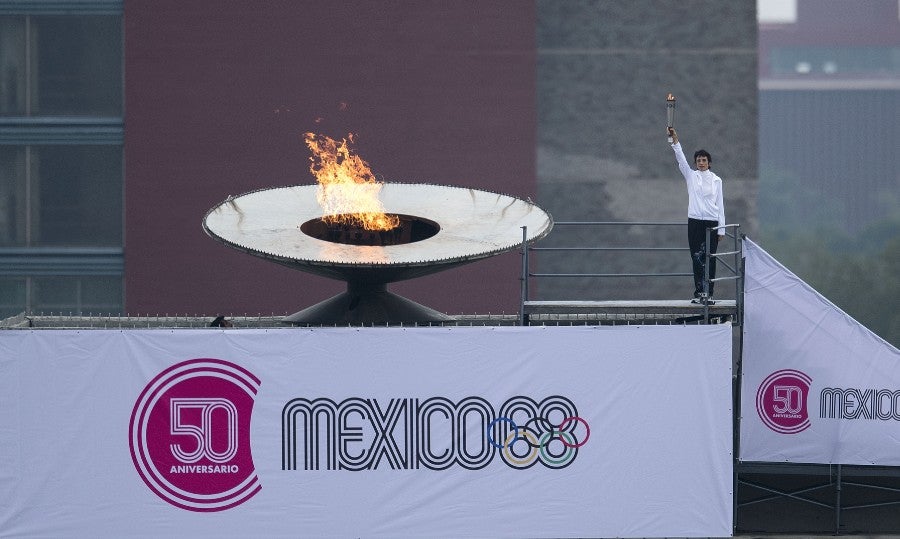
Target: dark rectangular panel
219, 94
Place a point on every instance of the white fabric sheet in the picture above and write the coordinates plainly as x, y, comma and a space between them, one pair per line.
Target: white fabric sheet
818, 387
91, 423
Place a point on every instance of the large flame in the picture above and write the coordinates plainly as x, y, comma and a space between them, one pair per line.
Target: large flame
348, 191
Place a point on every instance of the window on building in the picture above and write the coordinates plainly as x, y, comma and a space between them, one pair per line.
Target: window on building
61, 139
61, 295
61, 195
60, 65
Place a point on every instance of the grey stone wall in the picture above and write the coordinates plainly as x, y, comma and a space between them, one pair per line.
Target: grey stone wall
603, 71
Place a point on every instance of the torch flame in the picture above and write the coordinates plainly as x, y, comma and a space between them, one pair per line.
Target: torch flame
348, 191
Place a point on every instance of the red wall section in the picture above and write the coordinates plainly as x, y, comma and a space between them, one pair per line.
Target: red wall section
219, 94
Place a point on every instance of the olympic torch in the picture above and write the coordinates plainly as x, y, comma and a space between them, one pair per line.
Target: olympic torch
670, 114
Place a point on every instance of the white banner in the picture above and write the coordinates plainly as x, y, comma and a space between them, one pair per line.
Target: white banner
425, 432
818, 387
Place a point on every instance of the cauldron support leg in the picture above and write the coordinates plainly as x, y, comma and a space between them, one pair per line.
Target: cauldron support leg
366, 303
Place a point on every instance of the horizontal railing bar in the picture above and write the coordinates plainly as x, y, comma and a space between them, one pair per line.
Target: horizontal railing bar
608, 249
617, 223
610, 274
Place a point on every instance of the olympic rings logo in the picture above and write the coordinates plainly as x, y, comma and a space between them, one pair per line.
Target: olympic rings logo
537, 436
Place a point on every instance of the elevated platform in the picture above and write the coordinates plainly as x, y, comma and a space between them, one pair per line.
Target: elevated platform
535, 312
42, 321
631, 311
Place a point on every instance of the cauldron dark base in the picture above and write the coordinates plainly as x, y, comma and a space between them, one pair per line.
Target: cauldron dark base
366, 305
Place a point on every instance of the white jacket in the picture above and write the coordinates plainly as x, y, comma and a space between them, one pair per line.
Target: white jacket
705, 200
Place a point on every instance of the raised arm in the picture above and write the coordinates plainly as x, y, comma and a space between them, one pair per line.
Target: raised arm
720, 201
683, 165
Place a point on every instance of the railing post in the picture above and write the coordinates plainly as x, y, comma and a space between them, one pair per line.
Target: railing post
739, 282
837, 503
705, 298
524, 278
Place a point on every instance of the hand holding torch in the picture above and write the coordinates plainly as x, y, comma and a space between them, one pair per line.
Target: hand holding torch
670, 114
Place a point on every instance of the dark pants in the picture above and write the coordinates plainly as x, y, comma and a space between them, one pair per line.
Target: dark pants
697, 242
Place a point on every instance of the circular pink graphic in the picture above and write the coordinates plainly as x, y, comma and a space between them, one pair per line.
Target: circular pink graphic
190, 435
781, 401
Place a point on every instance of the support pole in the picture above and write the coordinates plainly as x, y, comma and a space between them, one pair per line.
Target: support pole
705, 297
523, 318
837, 503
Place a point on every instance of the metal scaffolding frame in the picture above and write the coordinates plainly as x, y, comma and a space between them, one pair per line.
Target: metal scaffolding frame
838, 489
635, 311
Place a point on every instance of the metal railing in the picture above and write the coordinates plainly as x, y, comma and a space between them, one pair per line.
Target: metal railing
736, 268
734, 265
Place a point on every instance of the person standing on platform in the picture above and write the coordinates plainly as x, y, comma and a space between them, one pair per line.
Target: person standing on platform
706, 209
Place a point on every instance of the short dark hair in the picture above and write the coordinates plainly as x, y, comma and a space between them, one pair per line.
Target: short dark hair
702, 153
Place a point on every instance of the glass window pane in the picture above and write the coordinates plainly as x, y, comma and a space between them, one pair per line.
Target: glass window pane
12, 66
56, 295
12, 196
78, 61
12, 297
78, 200
77, 295
101, 295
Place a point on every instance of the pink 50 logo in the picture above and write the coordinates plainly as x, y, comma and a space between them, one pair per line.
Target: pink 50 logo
781, 401
190, 435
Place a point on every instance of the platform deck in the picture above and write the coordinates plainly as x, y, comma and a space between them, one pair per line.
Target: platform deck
632, 311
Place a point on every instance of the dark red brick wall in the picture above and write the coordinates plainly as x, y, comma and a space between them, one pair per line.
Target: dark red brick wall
218, 95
